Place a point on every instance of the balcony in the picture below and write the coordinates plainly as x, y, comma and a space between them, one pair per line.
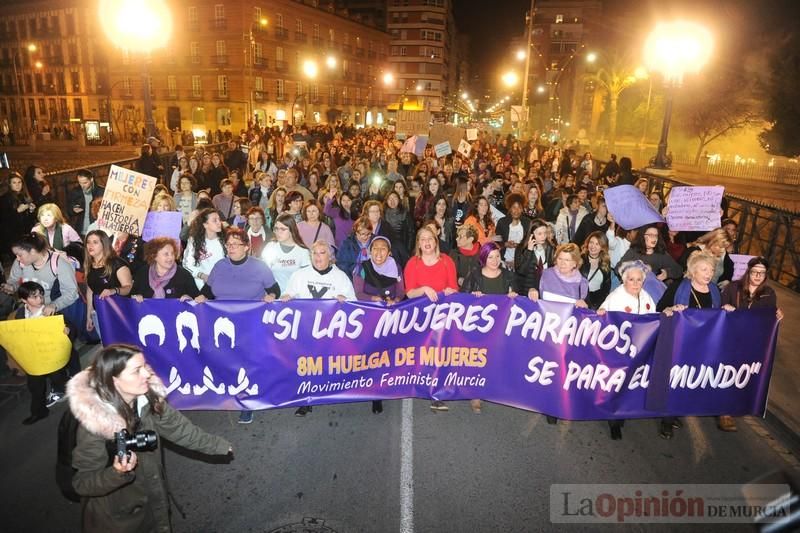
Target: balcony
332, 100
220, 59
281, 33
280, 97
345, 101
300, 37
170, 94
347, 49
260, 96
260, 63
194, 60
281, 66
218, 24
195, 95
317, 42
221, 95
359, 52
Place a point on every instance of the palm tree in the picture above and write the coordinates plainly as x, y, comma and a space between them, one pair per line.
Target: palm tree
615, 74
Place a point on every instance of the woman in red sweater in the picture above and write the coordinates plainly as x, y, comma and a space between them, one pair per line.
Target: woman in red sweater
428, 273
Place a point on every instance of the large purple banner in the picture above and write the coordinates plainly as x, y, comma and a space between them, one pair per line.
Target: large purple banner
540, 356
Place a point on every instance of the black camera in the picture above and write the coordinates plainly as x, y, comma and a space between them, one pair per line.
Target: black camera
139, 441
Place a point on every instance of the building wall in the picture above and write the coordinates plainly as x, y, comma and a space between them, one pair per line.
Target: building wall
564, 30
221, 68
423, 51
62, 81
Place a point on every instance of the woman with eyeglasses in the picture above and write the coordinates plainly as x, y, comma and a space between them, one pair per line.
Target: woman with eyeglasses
287, 253
749, 292
649, 246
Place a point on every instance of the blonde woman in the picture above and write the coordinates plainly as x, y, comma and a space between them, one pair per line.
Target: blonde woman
52, 225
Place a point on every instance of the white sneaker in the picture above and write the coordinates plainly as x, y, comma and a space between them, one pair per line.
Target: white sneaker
53, 398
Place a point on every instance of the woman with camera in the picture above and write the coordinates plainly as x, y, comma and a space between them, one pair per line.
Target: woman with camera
126, 492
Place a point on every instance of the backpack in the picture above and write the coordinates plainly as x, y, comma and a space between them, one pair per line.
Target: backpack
75, 313
67, 440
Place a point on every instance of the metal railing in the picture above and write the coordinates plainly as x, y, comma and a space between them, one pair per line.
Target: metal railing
763, 230
63, 181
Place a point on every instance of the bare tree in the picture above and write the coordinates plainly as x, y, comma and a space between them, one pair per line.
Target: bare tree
716, 105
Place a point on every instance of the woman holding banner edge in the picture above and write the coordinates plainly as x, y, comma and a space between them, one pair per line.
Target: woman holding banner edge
427, 273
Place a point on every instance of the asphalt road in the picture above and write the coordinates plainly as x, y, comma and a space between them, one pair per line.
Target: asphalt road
343, 469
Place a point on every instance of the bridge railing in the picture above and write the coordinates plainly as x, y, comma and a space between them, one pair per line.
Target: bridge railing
763, 229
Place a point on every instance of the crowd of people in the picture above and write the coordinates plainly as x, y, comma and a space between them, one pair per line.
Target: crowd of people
332, 212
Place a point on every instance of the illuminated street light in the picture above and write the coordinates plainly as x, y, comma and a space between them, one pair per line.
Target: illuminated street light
464, 95
540, 89
330, 61
419, 87
388, 78
263, 21
310, 68
141, 26
38, 64
510, 78
32, 47
674, 49
521, 55
591, 57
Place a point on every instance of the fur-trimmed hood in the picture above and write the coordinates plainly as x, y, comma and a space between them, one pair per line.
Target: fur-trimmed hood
96, 415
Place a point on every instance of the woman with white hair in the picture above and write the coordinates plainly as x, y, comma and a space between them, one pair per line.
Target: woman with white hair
696, 291
630, 297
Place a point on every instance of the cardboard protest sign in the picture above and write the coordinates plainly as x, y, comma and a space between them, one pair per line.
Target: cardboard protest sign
464, 148
162, 224
629, 207
472, 134
446, 132
413, 122
39, 345
694, 208
739, 264
126, 201
443, 149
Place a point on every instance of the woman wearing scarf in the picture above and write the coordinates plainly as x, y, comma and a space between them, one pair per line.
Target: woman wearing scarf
51, 224
355, 248
379, 280
163, 277
465, 254
564, 283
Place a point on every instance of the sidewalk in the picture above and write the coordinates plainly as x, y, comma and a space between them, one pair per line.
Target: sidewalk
784, 391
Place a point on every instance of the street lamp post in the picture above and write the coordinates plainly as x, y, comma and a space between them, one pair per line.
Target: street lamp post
145, 23
675, 48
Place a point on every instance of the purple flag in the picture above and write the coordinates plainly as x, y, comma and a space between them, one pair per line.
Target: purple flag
162, 224
629, 207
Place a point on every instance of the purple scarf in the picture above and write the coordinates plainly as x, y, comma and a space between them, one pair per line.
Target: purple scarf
157, 283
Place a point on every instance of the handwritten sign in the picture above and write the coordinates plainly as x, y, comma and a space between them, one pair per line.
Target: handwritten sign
126, 201
694, 208
39, 345
739, 264
443, 149
472, 134
413, 122
162, 224
629, 207
464, 148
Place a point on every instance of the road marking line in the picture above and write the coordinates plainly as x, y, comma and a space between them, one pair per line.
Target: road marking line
407, 467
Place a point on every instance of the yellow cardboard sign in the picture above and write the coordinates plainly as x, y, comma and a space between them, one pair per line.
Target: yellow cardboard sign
39, 345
